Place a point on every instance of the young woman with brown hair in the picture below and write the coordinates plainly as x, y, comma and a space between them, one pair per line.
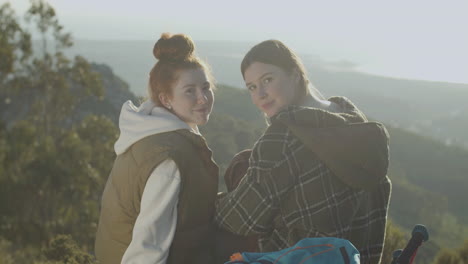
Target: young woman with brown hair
318, 170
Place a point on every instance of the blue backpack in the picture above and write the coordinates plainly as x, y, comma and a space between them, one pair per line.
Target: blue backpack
318, 250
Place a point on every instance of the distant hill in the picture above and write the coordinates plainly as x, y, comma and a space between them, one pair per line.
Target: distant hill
116, 92
434, 109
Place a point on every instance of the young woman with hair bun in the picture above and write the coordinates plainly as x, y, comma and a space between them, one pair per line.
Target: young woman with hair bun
158, 202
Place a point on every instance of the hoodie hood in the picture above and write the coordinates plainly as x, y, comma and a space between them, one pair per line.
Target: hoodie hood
136, 123
355, 150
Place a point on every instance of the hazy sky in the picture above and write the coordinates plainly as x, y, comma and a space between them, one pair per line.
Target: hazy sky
401, 38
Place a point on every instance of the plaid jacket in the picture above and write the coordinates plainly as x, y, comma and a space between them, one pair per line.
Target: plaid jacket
314, 173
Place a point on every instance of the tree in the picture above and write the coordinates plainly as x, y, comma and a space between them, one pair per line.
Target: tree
53, 166
15, 43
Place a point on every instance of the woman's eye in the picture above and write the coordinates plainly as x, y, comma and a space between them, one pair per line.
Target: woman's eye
267, 80
251, 87
189, 91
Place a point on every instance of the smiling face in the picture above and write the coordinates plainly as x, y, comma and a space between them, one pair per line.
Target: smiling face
271, 88
192, 97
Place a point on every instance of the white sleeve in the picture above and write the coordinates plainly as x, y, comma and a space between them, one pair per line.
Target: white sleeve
155, 225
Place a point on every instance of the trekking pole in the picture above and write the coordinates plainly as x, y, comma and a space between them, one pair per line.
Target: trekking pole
418, 236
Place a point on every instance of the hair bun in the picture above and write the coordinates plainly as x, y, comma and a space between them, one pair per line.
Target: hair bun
177, 47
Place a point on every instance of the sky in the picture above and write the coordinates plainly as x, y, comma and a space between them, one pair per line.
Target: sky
414, 39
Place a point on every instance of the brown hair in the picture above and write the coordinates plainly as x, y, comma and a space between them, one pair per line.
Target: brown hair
174, 53
276, 53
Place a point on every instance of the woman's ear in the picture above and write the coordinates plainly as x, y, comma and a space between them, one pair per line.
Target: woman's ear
164, 99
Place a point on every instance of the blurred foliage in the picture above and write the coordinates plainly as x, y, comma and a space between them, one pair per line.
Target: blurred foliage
453, 256
14, 254
429, 183
53, 167
63, 249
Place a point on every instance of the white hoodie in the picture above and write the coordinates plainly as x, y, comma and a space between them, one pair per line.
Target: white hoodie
155, 225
